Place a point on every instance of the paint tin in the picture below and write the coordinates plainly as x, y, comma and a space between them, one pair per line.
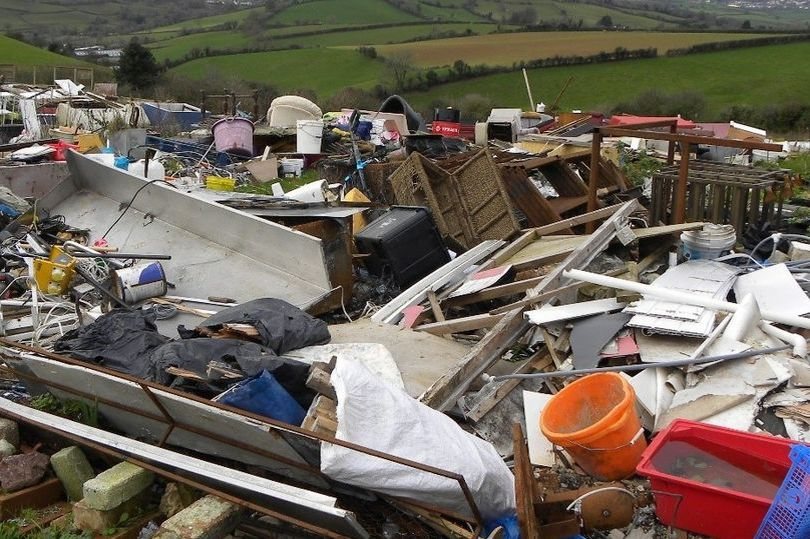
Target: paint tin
140, 282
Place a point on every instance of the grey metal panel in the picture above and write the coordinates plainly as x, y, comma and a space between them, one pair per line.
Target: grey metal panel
255, 238
199, 416
201, 266
295, 502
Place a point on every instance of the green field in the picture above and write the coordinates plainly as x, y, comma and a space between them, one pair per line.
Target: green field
325, 71
206, 22
376, 36
739, 77
504, 49
176, 48
23, 54
342, 12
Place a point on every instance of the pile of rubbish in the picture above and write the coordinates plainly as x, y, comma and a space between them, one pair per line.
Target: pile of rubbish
338, 324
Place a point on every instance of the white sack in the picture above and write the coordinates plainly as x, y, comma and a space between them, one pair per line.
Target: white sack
377, 415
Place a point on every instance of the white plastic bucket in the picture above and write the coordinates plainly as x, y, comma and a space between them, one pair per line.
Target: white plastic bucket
708, 243
140, 282
309, 136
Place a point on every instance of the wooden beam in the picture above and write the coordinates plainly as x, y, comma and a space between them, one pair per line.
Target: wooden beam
667, 122
445, 392
593, 177
459, 325
524, 485
690, 139
435, 307
679, 204
553, 228
493, 292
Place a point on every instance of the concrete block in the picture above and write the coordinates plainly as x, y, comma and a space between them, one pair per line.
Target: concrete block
6, 449
9, 432
112, 487
207, 518
73, 470
799, 251
93, 520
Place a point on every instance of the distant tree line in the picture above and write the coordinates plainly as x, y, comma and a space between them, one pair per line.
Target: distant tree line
738, 44
461, 70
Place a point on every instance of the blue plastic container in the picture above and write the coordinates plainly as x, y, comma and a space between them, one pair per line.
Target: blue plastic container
789, 515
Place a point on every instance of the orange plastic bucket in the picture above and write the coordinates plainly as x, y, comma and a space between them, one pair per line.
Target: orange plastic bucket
594, 419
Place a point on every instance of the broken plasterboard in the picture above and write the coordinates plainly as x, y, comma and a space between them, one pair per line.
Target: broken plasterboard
775, 289
541, 450
480, 280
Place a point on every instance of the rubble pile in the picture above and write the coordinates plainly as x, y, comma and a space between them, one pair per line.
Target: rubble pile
340, 324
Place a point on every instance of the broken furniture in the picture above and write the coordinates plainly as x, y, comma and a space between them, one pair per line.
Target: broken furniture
720, 194
685, 143
469, 205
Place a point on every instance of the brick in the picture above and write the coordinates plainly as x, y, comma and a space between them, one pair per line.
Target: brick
207, 518
93, 520
9, 432
112, 487
73, 470
176, 498
6, 449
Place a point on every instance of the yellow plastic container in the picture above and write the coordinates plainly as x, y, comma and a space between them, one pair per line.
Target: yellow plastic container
218, 183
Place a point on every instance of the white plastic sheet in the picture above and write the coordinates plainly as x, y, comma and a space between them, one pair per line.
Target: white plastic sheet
377, 415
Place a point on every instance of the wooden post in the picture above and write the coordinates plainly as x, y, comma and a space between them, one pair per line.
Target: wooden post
671, 148
679, 205
593, 178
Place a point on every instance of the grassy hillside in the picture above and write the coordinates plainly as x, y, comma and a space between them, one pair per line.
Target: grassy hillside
23, 54
343, 11
323, 71
504, 49
738, 77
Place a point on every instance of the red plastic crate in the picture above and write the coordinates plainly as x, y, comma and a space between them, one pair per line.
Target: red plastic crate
707, 509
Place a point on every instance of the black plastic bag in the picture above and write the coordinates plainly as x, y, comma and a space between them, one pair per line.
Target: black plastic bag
281, 325
121, 340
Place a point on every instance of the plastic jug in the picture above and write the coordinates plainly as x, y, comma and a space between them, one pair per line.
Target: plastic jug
155, 171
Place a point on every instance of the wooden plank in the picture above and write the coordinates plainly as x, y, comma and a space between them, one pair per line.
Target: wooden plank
527, 197
435, 307
459, 325
602, 213
321, 381
445, 392
653, 231
524, 486
493, 292
510, 250
691, 139
545, 251
46, 493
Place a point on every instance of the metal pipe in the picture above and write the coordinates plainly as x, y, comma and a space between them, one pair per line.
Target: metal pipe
681, 297
122, 256
641, 366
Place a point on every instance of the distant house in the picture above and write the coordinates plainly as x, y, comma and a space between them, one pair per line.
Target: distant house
98, 51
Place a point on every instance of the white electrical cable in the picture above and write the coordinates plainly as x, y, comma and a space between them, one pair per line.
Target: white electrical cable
578, 501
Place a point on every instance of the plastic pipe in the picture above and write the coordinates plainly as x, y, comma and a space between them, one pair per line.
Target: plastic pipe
799, 343
680, 297
744, 320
